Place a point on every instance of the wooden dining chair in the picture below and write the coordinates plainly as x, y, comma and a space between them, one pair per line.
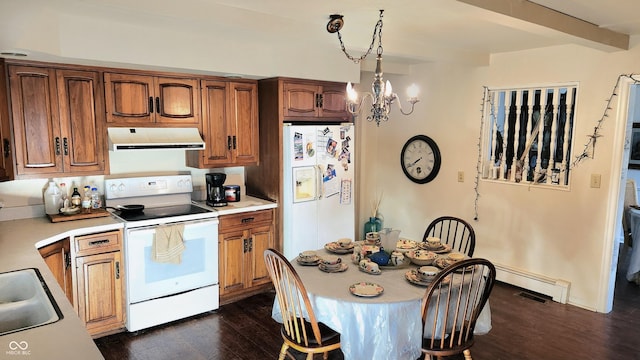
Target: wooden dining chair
300, 330
451, 306
453, 231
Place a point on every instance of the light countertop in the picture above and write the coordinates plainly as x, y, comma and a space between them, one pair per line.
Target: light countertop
66, 338
19, 243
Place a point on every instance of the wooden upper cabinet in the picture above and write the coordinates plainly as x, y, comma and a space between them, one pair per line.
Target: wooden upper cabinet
314, 100
145, 100
229, 125
6, 142
36, 123
82, 121
57, 120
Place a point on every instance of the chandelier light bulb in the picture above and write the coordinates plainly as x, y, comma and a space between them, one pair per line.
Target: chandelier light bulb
388, 90
412, 91
352, 95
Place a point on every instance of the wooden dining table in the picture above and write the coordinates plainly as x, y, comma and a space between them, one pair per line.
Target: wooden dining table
387, 326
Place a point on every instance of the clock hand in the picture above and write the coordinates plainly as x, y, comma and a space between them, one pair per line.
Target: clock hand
413, 163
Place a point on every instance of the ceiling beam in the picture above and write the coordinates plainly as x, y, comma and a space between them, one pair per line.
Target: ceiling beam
540, 15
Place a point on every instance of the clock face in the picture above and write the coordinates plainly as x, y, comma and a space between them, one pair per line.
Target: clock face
420, 159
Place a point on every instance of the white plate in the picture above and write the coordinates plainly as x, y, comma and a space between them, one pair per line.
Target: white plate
366, 289
412, 277
313, 262
70, 211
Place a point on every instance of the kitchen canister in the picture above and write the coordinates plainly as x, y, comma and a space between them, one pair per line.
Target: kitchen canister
232, 193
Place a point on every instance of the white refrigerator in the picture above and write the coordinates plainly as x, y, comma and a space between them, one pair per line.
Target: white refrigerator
319, 186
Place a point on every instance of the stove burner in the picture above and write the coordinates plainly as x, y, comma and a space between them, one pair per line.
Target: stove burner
161, 212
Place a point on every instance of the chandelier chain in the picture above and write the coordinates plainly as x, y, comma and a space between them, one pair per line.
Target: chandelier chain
376, 31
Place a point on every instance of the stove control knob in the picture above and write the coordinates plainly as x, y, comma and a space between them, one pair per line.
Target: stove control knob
112, 188
180, 183
121, 187
187, 183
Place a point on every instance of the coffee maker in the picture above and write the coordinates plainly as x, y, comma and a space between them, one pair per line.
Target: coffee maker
215, 190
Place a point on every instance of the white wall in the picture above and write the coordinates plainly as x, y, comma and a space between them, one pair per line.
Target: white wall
557, 234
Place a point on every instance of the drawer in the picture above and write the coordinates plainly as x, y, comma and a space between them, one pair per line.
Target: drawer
98, 243
245, 219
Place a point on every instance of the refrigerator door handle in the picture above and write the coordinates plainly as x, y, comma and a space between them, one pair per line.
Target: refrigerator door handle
319, 186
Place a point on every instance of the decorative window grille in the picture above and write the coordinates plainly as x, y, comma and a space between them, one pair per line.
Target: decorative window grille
530, 134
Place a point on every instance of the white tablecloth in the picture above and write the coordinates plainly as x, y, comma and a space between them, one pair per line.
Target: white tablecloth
383, 327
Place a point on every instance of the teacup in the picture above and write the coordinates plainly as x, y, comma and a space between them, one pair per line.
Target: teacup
369, 266
331, 260
433, 241
397, 258
344, 242
427, 272
307, 255
372, 237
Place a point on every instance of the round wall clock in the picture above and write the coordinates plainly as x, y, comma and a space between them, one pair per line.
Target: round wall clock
420, 159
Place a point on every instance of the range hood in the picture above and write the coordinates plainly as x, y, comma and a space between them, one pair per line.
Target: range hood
142, 138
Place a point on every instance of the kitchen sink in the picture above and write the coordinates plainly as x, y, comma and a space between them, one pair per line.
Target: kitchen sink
25, 301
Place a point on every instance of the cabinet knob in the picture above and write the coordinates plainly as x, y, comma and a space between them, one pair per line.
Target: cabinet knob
65, 145
57, 145
228, 142
151, 104
117, 270
158, 104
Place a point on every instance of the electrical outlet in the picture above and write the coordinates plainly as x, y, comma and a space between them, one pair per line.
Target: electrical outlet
460, 176
595, 180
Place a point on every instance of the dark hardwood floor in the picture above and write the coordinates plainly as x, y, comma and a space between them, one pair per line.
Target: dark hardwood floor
524, 328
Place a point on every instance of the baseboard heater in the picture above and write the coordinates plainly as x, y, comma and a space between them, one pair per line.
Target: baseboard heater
556, 289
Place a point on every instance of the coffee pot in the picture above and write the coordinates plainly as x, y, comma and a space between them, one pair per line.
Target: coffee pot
215, 189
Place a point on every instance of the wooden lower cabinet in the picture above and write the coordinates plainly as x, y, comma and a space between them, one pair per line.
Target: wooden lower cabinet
242, 240
58, 259
100, 300
95, 287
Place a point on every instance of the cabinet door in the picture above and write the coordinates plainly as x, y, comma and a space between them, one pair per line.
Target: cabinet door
57, 257
244, 122
300, 100
261, 240
129, 99
81, 121
6, 157
215, 127
334, 102
36, 125
177, 101
100, 300
232, 268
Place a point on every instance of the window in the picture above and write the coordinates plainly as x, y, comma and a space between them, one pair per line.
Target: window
529, 134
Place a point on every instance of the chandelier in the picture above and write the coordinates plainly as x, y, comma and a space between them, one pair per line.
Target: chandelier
382, 95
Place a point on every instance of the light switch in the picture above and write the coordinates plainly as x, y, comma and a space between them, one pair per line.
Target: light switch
595, 180
460, 176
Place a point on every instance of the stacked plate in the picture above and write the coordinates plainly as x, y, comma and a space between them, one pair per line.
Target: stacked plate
438, 249
332, 264
336, 248
308, 261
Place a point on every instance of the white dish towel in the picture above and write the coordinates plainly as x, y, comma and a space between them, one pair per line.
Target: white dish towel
168, 244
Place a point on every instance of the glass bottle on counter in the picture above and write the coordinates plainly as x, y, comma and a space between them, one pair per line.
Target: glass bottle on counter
64, 195
86, 200
76, 199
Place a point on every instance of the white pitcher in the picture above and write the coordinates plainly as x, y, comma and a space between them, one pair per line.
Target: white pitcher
389, 239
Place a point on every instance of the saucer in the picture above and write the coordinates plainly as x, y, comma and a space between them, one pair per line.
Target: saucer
412, 277
314, 262
70, 211
366, 289
341, 268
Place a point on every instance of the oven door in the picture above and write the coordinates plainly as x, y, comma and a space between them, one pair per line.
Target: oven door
147, 279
